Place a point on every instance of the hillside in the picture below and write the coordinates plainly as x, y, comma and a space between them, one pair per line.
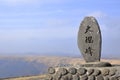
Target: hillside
39, 77
16, 66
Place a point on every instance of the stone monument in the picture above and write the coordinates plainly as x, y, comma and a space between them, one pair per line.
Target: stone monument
89, 39
89, 43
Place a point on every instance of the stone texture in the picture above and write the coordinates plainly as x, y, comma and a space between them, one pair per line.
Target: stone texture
81, 71
57, 76
63, 71
113, 78
112, 72
64, 78
118, 77
69, 76
105, 72
97, 72
49, 77
51, 70
76, 77
72, 70
92, 77
84, 77
90, 72
86, 73
96, 64
100, 77
106, 78
89, 39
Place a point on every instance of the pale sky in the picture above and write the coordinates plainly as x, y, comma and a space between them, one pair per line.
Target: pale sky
50, 27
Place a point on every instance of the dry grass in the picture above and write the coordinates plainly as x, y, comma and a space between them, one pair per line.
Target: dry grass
39, 77
54, 60
50, 61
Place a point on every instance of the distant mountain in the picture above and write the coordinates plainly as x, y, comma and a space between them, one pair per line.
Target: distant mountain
14, 66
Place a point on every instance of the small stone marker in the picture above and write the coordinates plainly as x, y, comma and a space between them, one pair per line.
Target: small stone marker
89, 39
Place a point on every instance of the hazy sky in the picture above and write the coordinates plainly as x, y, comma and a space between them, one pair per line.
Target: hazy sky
51, 26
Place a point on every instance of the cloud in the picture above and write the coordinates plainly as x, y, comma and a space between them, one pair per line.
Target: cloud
43, 33
50, 40
35, 13
21, 2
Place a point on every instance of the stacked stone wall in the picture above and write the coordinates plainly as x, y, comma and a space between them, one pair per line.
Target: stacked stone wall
84, 73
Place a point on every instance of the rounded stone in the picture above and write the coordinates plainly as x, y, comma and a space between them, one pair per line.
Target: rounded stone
97, 72
99, 77
69, 76
62, 71
106, 78
49, 77
76, 77
51, 70
57, 76
84, 77
114, 78
64, 78
81, 71
105, 72
92, 77
90, 72
72, 70
112, 72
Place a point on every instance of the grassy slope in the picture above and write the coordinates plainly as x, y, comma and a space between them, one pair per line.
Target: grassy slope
39, 77
52, 61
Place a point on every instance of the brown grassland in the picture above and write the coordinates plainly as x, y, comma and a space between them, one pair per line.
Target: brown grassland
50, 61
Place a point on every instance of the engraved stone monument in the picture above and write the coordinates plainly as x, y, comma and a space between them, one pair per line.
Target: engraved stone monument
89, 43
89, 39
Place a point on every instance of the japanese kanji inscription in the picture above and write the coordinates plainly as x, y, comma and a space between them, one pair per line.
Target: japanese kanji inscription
89, 39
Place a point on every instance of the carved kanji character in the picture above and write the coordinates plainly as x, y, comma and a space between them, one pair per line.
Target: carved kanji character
89, 50
88, 29
89, 39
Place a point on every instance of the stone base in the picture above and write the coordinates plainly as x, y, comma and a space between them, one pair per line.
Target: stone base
84, 73
96, 64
